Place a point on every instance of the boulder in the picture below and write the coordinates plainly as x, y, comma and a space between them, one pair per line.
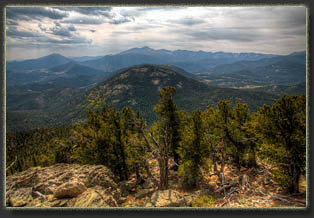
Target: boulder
101, 176
62, 185
69, 189
166, 198
93, 198
20, 198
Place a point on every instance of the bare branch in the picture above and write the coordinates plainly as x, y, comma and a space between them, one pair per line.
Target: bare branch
12, 163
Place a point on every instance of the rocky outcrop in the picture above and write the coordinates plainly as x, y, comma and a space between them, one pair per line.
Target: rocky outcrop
63, 185
69, 189
166, 198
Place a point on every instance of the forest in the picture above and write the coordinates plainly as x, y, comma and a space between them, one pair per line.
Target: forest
191, 146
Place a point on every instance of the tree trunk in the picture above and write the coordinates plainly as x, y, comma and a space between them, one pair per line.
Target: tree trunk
294, 180
139, 179
252, 160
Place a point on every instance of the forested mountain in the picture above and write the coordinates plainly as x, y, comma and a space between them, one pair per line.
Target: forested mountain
136, 86
139, 86
284, 70
154, 136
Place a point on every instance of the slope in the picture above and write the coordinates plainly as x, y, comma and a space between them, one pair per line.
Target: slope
139, 86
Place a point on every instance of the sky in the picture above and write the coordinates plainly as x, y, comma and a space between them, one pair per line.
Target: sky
33, 32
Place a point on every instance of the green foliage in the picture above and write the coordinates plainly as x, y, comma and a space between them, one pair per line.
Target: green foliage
100, 142
282, 130
192, 151
205, 201
115, 139
32, 148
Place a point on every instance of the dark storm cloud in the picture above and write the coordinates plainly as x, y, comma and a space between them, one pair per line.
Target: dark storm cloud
13, 32
29, 13
61, 32
103, 11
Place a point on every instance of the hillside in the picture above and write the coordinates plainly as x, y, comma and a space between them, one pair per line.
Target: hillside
67, 74
139, 87
285, 70
40, 105
39, 63
32, 106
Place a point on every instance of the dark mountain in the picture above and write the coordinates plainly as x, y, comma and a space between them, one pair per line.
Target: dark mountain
84, 58
39, 63
296, 57
286, 70
68, 74
191, 61
139, 86
40, 105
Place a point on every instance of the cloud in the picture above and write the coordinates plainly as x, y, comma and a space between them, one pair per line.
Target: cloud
41, 27
156, 8
13, 32
73, 40
37, 13
60, 31
102, 11
121, 20
276, 29
10, 22
85, 20
218, 34
189, 21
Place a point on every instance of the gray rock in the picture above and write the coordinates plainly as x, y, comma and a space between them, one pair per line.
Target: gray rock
166, 198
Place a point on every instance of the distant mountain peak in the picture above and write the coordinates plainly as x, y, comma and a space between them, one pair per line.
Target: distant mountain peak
142, 49
297, 53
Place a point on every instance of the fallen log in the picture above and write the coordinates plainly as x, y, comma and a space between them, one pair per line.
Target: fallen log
281, 199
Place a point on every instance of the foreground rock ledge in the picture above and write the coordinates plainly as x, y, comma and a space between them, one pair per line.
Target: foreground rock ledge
63, 185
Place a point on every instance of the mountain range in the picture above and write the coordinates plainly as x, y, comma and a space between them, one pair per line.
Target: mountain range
190, 61
54, 90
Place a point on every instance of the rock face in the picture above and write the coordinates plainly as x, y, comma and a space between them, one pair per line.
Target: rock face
69, 189
63, 185
166, 198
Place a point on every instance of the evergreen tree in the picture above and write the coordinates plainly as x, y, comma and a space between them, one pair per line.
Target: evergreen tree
192, 151
168, 124
100, 141
282, 129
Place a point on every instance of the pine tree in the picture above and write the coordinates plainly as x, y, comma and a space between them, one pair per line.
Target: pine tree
282, 130
168, 124
192, 151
